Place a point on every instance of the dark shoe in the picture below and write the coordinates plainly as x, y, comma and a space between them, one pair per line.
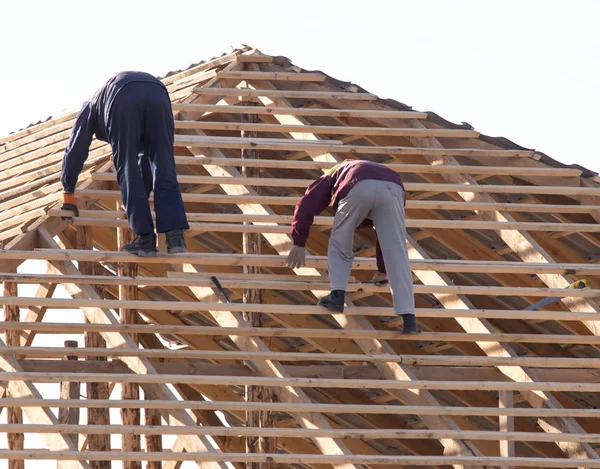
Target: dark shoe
142, 245
334, 302
409, 324
175, 242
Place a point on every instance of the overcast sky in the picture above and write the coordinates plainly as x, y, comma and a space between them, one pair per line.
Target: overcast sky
524, 70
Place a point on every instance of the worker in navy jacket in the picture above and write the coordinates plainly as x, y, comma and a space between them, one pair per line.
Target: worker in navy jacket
132, 112
362, 193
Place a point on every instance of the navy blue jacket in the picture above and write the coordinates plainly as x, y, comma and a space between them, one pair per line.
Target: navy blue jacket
93, 119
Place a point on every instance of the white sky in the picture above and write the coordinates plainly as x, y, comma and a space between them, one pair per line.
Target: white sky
528, 71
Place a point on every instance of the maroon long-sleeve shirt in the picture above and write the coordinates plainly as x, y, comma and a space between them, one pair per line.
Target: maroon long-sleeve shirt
332, 187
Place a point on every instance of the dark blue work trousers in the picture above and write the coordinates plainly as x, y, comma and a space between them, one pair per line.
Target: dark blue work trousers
141, 132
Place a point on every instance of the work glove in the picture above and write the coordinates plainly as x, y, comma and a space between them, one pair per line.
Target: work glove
69, 204
380, 279
296, 257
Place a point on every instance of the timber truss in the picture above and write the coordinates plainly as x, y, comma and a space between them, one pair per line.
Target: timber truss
270, 379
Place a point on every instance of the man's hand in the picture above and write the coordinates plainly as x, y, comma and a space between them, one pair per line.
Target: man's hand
296, 257
69, 204
380, 279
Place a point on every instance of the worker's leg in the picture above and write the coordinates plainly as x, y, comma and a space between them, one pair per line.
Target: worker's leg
125, 131
147, 170
351, 212
158, 148
388, 217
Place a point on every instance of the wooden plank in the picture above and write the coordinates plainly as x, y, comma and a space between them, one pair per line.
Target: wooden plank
132, 417
280, 458
69, 390
410, 223
409, 360
326, 129
353, 433
280, 200
299, 111
410, 187
300, 94
334, 383
507, 425
251, 244
96, 415
297, 284
16, 440
326, 146
542, 170
299, 309
277, 76
71, 328
154, 440
326, 408
268, 260
257, 58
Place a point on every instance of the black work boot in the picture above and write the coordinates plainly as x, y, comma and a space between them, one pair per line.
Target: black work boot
409, 324
142, 245
334, 302
175, 241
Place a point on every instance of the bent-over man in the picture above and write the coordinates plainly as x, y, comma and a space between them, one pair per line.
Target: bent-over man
362, 194
132, 112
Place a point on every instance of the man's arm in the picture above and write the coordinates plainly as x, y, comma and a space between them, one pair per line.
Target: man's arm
78, 148
314, 201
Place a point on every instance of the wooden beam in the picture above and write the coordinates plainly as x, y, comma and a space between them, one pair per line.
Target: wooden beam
335, 383
353, 433
336, 460
506, 425
118, 340
300, 94
410, 187
410, 204
73, 328
69, 390
192, 141
297, 284
95, 391
327, 408
266, 260
325, 129
251, 244
132, 417
410, 223
260, 110
15, 415
405, 359
542, 170
277, 76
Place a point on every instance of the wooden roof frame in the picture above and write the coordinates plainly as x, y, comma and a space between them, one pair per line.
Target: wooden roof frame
492, 227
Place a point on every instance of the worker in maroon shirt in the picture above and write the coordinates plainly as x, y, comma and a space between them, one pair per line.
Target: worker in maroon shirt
362, 194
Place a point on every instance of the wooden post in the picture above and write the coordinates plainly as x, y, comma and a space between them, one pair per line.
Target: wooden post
506, 424
251, 245
153, 442
95, 415
128, 316
15, 415
69, 390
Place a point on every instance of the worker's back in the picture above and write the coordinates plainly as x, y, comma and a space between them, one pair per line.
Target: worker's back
103, 99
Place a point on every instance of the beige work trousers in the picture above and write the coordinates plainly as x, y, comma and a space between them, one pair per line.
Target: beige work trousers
382, 202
